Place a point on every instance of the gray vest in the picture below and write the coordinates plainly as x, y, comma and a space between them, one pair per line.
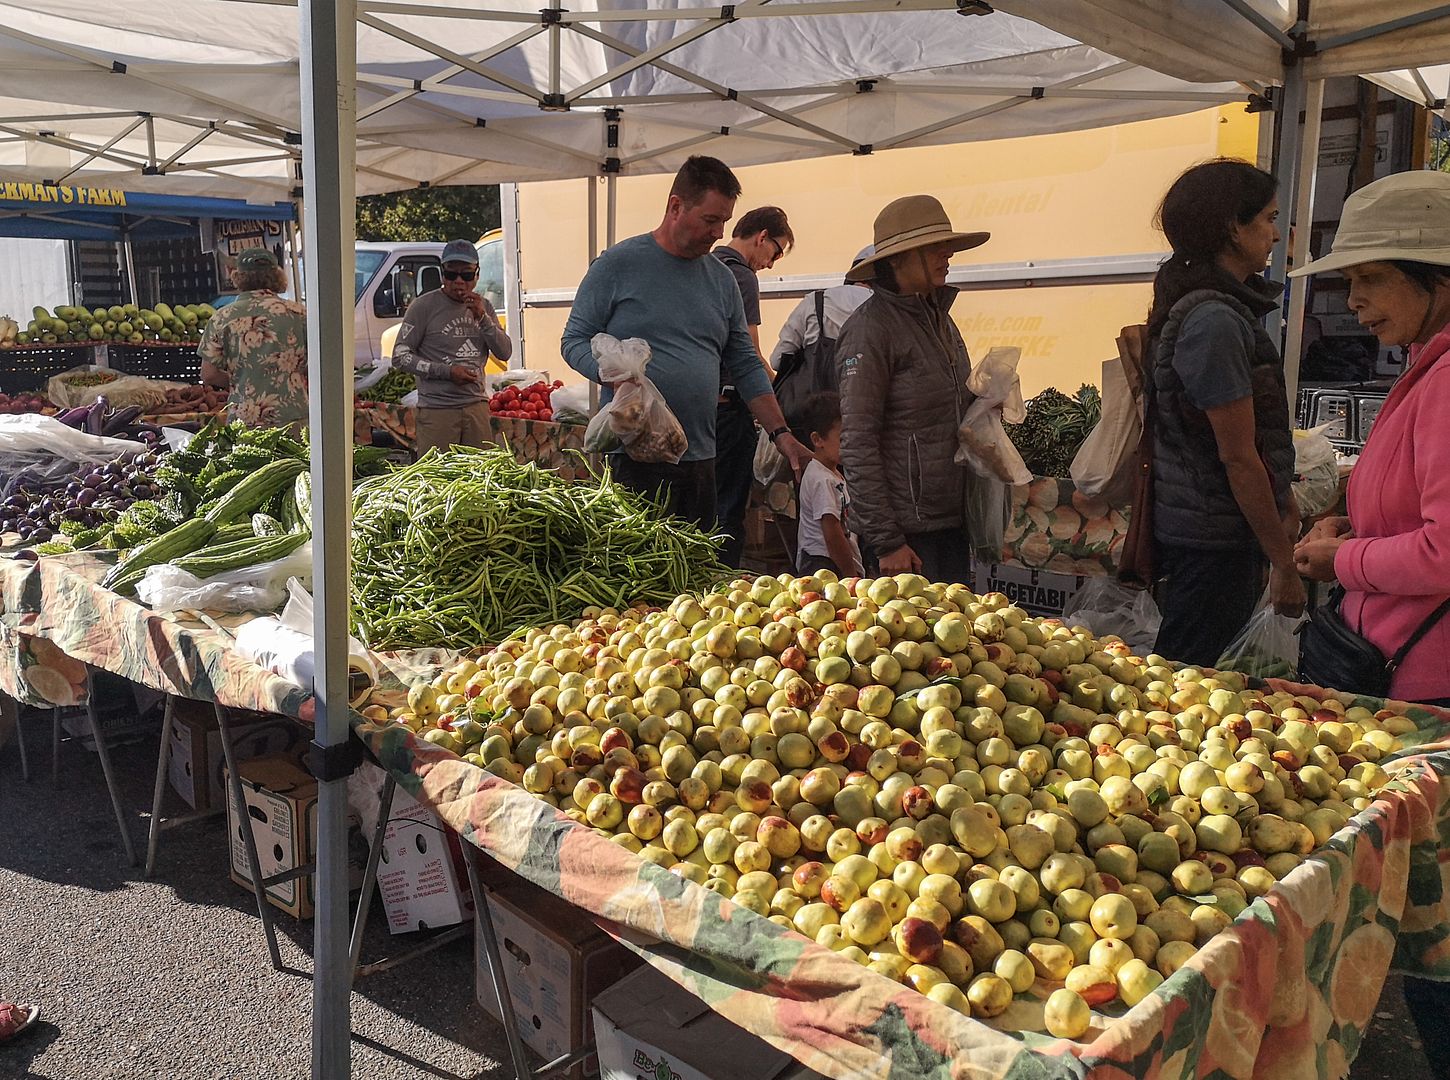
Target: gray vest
1193, 505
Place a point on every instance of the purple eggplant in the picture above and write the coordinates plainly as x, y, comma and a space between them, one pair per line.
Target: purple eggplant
121, 419
96, 421
76, 417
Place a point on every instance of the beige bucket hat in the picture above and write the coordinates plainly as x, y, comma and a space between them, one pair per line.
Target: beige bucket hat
915, 221
1404, 216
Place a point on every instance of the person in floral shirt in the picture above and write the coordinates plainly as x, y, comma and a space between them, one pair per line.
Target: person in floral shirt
256, 347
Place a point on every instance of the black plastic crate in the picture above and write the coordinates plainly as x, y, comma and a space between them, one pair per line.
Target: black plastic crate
176, 363
26, 369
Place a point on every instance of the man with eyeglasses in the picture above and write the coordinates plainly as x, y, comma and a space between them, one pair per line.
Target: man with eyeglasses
445, 340
759, 238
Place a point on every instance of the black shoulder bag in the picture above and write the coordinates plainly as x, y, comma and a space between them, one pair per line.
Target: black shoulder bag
1333, 655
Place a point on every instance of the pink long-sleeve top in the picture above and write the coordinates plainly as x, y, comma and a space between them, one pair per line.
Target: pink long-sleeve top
1396, 570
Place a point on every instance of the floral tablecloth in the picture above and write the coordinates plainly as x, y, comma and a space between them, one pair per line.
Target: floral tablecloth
1286, 992
55, 618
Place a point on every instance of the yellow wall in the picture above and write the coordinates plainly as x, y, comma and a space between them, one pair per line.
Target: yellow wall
1077, 194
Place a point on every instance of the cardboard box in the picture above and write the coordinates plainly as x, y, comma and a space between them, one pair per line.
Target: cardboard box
421, 875
197, 765
647, 1027
556, 960
1038, 592
281, 798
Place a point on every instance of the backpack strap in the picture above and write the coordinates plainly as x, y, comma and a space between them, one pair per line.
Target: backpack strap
821, 312
1423, 629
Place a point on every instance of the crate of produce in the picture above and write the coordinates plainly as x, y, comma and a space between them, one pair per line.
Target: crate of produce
27, 368
176, 363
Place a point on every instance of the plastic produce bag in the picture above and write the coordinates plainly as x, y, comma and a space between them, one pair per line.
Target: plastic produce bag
366, 377
1106, 606
250, 588
520, 377
121, 391
769, 464
637, 419
284, 645
1267, 647
1316, 471
989, 505
982, 442
571, 404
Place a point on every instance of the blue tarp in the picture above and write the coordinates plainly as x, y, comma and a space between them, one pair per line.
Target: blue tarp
84, 213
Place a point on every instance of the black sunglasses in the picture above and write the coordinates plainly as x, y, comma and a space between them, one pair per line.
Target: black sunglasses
459, 275
779, 251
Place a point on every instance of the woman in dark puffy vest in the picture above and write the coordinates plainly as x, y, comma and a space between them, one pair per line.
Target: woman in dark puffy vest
1223, 453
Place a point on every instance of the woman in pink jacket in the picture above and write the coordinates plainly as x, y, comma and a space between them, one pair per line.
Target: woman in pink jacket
1392, 553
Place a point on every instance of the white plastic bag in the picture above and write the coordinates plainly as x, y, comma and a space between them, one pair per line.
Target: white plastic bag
249, 588
988, 507
982, 442
284, 645
1316, 468
1106, 606
769, 464
1267, 647
366, 377
1105, 463
637, 419
520, 377
570, 404
32, 433
120, 392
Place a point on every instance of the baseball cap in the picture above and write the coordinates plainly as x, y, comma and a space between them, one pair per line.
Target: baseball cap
460, 251
864, 254
257, 258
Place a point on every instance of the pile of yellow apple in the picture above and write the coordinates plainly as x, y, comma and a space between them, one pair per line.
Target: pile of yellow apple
959, 796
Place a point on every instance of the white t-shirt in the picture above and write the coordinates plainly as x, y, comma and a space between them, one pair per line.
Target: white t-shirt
822, 492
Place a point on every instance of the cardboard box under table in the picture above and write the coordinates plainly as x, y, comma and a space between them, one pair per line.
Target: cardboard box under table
555, 961
421, 877
647, 1027
196, 764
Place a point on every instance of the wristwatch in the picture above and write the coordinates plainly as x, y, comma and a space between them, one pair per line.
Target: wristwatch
778, 432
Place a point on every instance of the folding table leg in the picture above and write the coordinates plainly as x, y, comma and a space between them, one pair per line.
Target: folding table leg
153, 834
104, 753
370, 876
483, 924
249, 841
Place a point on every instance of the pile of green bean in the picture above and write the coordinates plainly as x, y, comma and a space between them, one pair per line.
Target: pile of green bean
466, 547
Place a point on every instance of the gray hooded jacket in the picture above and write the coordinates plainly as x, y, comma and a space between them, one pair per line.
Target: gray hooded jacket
903, 368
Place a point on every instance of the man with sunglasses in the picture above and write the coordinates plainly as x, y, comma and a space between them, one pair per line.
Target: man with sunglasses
445, 340
759, 239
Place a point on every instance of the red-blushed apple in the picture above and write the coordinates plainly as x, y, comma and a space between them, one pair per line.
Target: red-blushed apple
918, 803
835, 747
628, 786
615, 738
918, 940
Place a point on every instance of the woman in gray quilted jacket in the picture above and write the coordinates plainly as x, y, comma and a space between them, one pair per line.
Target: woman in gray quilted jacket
903, 375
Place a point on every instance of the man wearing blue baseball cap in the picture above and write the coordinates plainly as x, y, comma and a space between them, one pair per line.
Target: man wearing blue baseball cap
445, 340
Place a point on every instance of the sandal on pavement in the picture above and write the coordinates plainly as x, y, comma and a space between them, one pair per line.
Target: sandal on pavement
16, 1018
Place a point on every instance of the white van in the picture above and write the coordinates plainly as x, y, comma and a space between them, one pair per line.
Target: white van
391, 276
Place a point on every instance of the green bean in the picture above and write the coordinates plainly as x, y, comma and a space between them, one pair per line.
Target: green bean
468, 547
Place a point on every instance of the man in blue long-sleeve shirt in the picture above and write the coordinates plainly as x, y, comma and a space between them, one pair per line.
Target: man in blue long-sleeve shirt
663, 287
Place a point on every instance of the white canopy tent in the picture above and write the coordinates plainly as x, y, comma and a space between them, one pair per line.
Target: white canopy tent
392, 93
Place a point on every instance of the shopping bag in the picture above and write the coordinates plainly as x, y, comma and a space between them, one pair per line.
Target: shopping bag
982, 442
637, 418
1103, 467
1106, 606
769, 464
1268, 645
1316, 473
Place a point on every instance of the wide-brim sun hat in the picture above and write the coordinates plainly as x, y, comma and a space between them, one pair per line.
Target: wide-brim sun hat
1401, 217
916, 221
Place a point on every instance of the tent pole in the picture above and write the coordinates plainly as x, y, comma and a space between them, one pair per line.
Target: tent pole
292, 252
513, 277
328, 53
1288, 137
130, 264
1304, 220
611, 209
592, 253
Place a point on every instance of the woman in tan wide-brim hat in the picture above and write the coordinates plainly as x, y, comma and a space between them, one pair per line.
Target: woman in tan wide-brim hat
1392, 553
903, 374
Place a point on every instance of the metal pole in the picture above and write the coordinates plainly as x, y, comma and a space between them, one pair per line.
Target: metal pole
1304, 221
130, 266
513, 275
292, 251
611, 209
328, 38
1286, 158
592, 253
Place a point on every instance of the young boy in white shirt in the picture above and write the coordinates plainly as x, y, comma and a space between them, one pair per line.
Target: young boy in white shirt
824, 534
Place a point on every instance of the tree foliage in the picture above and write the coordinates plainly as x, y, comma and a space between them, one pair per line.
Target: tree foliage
424, 214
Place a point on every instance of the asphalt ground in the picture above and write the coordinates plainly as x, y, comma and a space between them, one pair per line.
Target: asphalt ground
170, 977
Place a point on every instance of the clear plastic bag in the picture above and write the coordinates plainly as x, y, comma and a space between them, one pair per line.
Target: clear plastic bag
251, 588
284, 645
1267, 647
121, 391
982, 442
570, 404
637, 419
1316, 469
769, 464
989, 505
520, 377
1106, 606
